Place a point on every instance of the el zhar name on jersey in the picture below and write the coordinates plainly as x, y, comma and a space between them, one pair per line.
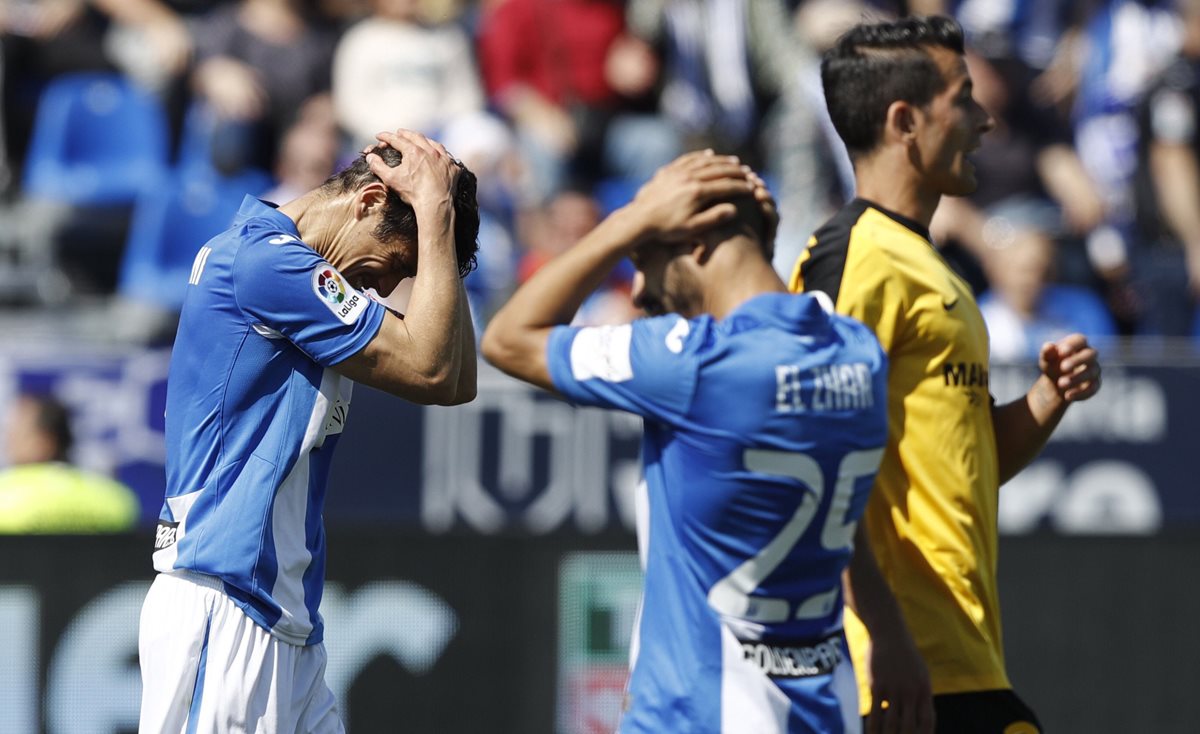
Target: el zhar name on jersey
828, 387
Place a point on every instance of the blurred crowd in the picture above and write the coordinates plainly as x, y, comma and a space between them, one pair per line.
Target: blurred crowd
132, 128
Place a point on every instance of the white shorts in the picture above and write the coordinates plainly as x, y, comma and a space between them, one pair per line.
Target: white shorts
207, 667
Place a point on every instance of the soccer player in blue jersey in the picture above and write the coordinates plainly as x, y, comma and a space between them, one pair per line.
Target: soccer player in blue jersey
275, 330
765, 420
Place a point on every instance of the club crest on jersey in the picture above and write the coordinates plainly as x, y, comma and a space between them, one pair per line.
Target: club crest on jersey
345, 302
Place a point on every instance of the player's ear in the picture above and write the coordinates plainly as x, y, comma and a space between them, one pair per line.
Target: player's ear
901, 122
371, 198
702, 249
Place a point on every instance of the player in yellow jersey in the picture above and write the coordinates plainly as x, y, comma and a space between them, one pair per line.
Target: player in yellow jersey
900, 97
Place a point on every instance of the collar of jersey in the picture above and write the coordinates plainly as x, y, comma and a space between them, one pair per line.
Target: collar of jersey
897, 218
795, 313
253, 208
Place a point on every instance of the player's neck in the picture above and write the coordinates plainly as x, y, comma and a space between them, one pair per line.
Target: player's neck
736, 277
318, 219
897, 187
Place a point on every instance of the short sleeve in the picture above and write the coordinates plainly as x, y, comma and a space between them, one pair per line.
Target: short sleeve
284, 286
648, 368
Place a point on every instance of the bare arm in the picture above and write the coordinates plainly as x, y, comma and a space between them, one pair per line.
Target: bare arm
468, 372
1068, 182
897, 671
422, 356
1070, 373
956, 218
675, 205
1176, 176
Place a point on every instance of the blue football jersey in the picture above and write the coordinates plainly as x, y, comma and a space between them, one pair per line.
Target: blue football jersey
762, 436
253, 415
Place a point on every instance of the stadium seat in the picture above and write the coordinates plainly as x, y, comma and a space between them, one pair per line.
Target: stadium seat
171, 223
98, 139
615, 192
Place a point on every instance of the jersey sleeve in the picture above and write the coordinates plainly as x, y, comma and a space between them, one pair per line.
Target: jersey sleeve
282, 284
648, 368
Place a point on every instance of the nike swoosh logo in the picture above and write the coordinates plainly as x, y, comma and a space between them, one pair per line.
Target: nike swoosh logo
282, 239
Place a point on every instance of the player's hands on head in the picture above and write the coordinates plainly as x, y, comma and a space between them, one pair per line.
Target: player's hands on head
427, 174
1073, 366
768, 207
901, 694
689, 196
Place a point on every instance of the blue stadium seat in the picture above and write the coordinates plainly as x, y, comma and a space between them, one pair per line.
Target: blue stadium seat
170, 224
615, 192
98, 139
196, 141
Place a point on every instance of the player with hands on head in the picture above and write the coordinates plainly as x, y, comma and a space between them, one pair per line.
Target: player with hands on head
900, 96
764, 423
275, 329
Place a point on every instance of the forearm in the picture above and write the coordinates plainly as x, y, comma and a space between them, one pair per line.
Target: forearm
958, 219
434, 316
868, 594
468, 373
556, 291
1023, 426
1177, 184
516, 337
1068, 183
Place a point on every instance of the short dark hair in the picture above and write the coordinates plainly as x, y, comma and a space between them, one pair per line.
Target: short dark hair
875, 64
52, 418
749, 222
399, 219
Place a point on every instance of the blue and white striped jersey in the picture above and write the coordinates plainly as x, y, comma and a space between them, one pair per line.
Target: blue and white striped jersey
763, 433
253, 416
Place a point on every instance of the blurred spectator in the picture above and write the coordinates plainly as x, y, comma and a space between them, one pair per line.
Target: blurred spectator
41, 492
259, 62
805, 157
553, 229
1024, 308
54, 246
1166, 268
1028, 30
307, 156
566, 76
1124, 45
393, 69
41, 39
900, 8
485, 145
725, 63
1028, 156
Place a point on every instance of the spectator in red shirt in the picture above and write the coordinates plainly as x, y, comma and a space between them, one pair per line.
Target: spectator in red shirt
570, 81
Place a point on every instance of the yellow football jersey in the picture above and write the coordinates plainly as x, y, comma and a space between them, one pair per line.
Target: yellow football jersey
932, 515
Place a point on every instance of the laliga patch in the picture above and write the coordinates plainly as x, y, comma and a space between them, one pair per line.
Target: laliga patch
345, 302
